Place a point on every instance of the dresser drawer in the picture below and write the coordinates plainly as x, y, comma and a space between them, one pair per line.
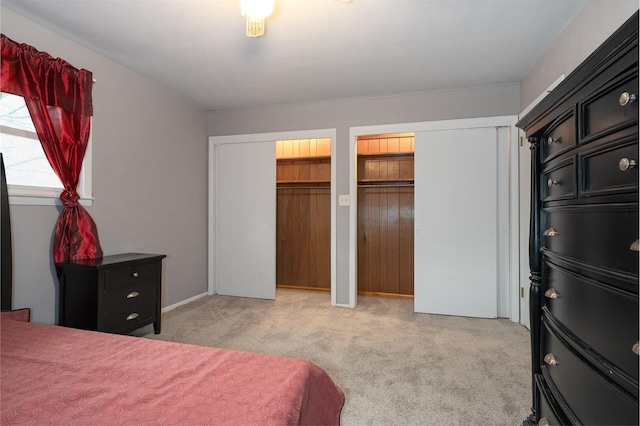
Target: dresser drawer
559, 181
130, 297
550, 412
610, 170
592, 397
560, 137
604, 318
599, 235
124, 276
604, 112
136, 316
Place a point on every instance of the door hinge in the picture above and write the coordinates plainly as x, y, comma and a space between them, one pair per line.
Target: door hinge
522, 292
521, 140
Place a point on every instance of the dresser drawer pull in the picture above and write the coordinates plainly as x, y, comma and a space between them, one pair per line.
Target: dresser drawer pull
551, 140
635, 246
626, 98
543, 422
133, 294
132, 316
135, 275
552, 182
626, 164
550, 232
636, 348
550, 359
551, 294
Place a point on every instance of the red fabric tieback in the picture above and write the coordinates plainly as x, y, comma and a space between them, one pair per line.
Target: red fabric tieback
69, 198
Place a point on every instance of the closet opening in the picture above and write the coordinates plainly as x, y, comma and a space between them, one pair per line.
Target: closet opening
303, 214
385, 215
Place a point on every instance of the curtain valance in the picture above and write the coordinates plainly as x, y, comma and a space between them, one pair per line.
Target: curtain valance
28, 72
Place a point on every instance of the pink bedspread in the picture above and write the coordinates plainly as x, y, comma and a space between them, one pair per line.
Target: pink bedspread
56, 375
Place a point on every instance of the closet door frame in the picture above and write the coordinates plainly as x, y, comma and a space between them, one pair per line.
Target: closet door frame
514, 210
214, 142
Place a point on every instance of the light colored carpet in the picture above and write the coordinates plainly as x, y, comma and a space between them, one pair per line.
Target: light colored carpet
394, 366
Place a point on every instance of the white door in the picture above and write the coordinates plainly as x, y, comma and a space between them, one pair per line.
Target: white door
456, 229
245, 228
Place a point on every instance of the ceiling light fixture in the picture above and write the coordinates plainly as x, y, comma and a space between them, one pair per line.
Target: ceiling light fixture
256, 11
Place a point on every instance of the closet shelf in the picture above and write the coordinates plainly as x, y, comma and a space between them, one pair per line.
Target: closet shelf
304, 182
385, 155
322, 158
392, 182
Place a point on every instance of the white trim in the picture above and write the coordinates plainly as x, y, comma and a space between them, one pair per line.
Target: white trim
514, 224
25, 200
498, 121
334, 237
542, 95
211, 224
184, 302
214, 141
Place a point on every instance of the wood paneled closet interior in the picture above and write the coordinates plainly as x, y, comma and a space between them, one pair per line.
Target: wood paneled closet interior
385, 175
303, 227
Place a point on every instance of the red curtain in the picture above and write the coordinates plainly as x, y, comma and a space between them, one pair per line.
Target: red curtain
58, 97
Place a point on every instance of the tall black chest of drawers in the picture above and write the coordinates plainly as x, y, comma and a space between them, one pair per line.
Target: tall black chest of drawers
583, 248
114, 294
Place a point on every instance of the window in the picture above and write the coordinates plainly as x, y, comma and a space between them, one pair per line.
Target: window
29, 174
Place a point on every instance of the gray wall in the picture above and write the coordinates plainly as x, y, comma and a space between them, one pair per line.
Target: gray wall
149, 179
591, 26
441, 105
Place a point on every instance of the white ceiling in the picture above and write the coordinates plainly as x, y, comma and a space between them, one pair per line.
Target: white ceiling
313, 49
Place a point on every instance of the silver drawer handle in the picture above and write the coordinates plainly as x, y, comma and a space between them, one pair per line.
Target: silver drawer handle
550, 359
552, 182
132, 316
135, 275
550, 232
626, 98
636, 348
626, 164
551, 294
551, 140
635, 246
133, 294
543, 422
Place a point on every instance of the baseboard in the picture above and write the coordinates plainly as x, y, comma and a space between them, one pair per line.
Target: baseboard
381, 294
184, 302
299, 287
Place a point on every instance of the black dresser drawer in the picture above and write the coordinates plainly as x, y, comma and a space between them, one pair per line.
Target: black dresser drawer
124, 321
559, 181
559, 137
595, 234
610, 169
126, 298
550, 412
603, 317
603, 112
130, 275
593, 399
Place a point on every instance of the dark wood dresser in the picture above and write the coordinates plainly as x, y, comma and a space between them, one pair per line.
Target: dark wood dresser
114, 294
584, 241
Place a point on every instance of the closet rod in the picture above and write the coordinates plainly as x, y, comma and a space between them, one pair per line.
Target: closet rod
387, 185
304, 187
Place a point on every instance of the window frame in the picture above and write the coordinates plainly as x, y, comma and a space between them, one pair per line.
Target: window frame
48, 196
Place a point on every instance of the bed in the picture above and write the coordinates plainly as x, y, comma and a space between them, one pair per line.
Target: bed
57, 375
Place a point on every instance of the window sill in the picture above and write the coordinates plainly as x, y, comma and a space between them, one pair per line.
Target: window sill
22, 200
